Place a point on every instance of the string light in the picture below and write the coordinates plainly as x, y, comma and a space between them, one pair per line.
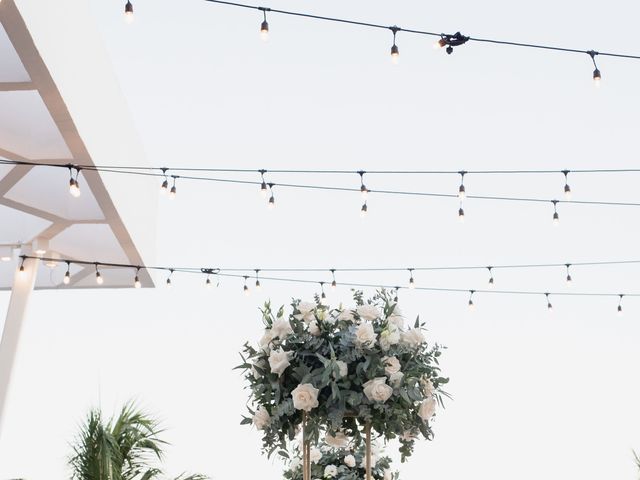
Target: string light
472, 306
620, 305
451, 41
169, 284
395, 51
323, 296
263, 185
67, 276
128, 11
412, 283
596, 72
99, 279
364, 191
549, 306
258, 286
207, 282
164, 188
364, 209
136, 280
567, 188
461, 190
173, 191
491, 282
272, 200
333, 281
264, 26
461, 213
569, 279
556, 217
395, 299
74, 186
228, 273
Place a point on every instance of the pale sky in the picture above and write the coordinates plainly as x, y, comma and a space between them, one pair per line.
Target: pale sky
535, 395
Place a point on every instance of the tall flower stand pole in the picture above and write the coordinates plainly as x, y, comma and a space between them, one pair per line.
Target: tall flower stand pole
306, 450
367, 431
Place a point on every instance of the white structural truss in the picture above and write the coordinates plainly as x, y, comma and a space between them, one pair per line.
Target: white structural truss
60, 103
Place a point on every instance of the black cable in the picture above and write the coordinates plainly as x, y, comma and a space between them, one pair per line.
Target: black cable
161, 174
426, 33
210, 271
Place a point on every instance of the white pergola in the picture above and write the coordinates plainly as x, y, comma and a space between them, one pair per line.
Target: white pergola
60, 104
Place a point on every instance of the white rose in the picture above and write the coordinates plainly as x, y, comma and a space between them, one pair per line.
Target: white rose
279, 361
343, 368
368, 312
265, 341
427, 386
387, 474
346, 315
306, 310
330, 471
339, 440
313, 328
413, 337
315, 455
391, 365
377, 389
396, 320
365, 336
295, 463
427, 408
305, 397
281, 328
350, 461
390, 336
395, 379
261, 419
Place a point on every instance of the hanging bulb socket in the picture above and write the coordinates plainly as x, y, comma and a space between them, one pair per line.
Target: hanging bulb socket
246, 287
258, 285
364, 191
461, 214
136, 280
323, 295
471, 305
395, 51
263, 185
67, 275
461, 190
569, 279
272, 200
264, 26
556, 217
333, 281
128, 11
164, 188
74, 185
567, 188
549, 306
169, 284
491, 281
597, 77
99, 279
412, 283
364, 209
173, 191
620, 305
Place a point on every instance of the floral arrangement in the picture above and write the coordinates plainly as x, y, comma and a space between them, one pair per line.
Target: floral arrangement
341, 369
333, 459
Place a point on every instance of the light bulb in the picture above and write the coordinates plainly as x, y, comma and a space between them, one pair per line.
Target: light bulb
619, 310
334, 285
395, 54
461, 214
441, 43
128, 12
569, 280
172, 192
567, 192
263, 189
74, 188
169, 284
164, 188
136, 282
412, 283
364, 191
549, 307
363, 210
208, 282
461, 192
272, 202
258, 285
556, 218
596, 77
67, 278
472, 306
264, 31
246, 290
491, 282
99, 279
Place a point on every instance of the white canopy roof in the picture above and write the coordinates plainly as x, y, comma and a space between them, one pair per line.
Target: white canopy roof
60, 103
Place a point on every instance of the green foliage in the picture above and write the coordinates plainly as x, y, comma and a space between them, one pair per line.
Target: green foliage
336, 457
320, 340
126, 447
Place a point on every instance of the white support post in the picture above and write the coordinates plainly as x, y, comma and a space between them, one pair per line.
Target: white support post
23, 284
